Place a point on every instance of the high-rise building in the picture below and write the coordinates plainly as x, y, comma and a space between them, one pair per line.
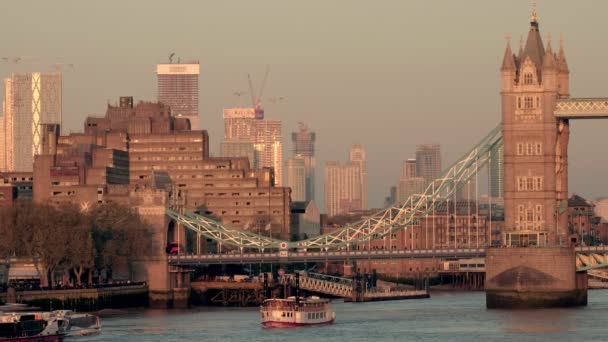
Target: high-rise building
428, 161
268, 146
304, 147
408, 186
239, 123
31, 101
357, 156
178, 88
296, 178
239, 134
409, 168
497, 174
342, 188
238, 148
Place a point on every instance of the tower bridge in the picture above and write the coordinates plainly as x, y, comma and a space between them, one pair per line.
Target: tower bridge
534, 133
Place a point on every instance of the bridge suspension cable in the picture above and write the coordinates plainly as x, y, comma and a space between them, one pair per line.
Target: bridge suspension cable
377, 226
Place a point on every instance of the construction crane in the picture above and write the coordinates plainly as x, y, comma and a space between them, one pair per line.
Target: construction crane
256, 101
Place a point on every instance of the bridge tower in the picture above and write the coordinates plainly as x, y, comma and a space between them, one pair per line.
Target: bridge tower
535, 143
538, 269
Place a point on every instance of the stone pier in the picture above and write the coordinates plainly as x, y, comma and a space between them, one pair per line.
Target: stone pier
533, 277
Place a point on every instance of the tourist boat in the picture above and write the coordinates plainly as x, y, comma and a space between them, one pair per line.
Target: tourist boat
79, 324
31, 327
296, 311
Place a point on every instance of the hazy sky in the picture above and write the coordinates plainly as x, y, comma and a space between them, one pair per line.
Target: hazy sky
386, 74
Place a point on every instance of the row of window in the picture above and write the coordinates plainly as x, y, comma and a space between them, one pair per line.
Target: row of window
530, 217
528, 102
317, 315
529, 183
529, 149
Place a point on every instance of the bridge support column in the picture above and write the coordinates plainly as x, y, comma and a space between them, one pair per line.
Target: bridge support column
534, 278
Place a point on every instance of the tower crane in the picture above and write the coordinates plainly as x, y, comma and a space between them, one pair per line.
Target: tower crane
256, 101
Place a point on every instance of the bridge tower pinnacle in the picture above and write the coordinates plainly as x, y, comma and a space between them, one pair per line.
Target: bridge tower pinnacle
535, 142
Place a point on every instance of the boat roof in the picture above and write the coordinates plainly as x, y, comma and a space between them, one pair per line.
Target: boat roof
292, 299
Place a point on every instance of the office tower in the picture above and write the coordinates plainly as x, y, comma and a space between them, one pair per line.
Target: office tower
304, 147
31, 100
357, 156
428, 161
409, 168
268, 147
239, 134
238, 148
497, 174
342, 187
408, 186
178, 88
296, 178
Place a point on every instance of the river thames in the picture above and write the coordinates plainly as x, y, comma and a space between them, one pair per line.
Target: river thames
443, 317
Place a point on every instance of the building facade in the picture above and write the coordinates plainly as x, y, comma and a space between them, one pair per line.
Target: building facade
357, 156
178, 88
134, 143
268, 145
428, 161
497, 174
296, 178
304, 147
31, 101
342, 188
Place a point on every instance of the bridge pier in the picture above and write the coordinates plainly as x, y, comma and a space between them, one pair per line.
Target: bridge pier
529, 277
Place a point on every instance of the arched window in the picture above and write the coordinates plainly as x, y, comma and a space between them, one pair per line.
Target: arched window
528, 78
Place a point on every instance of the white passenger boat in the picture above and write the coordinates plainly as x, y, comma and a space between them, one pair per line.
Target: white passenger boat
295, 312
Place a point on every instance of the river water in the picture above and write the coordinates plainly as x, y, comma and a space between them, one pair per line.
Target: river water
443, 317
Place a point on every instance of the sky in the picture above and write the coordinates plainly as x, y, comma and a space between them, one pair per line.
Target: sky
386, 74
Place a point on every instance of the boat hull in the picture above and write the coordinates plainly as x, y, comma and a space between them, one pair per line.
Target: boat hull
276, 324
47, 338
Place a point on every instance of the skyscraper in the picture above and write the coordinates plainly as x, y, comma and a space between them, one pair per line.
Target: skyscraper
342, 188
497, 174
409, 168
357, 156
268, 147
31, 100
304, 147
178, 88
239, 134
296, 178
428, 161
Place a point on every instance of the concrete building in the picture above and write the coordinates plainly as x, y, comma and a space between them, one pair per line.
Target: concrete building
133, 143
428, 161
304, 147
31, 100
178, 89
342, 188
357, 156
268, 145
296, 178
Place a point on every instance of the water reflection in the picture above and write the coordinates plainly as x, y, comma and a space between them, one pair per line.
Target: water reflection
538, 321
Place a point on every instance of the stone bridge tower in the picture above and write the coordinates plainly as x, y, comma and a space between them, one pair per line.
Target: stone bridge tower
538, 270
535, 142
